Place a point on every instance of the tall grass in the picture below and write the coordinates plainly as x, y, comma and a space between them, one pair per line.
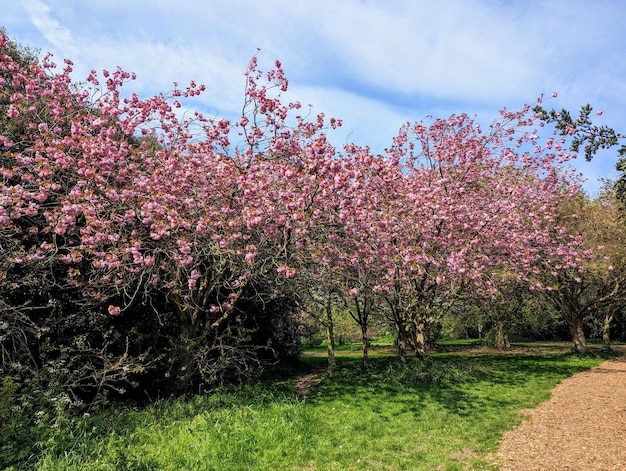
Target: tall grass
446, 413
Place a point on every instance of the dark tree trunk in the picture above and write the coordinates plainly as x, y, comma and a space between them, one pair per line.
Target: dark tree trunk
365, 359
361, 315
330, 337
402, 343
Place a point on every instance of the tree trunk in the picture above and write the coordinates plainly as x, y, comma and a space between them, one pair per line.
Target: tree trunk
502, 340
330, 337
365, 359
578, 336
606, 329
402, 342
186, 368
420, 336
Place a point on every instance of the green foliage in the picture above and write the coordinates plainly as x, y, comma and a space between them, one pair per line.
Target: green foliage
582, 130
13, 425
585, 133
31, 420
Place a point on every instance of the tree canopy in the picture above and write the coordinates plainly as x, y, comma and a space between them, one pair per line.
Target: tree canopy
143, 245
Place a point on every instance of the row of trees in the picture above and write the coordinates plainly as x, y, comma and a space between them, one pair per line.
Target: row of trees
141, 245
575, 303
592, 293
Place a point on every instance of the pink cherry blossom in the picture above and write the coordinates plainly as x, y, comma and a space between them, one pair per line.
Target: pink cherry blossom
114, 310
199, 208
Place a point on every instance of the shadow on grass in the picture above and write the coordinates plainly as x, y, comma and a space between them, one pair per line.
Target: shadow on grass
463, 385
447, 403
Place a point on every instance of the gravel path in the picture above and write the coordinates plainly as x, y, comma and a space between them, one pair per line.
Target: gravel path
582, 427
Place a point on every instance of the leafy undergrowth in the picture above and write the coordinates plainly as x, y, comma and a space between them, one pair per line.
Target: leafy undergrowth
444, 413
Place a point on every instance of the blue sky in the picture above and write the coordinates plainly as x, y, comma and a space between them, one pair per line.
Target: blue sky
373, 63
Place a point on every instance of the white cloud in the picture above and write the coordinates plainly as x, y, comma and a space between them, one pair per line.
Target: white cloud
43, 18
365, 121
427, 48
159, 65
374, 63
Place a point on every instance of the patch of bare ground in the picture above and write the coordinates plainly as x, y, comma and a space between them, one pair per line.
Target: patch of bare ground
306, 383
582, 427
530, 348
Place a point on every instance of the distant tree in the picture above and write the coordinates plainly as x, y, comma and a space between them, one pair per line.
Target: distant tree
467, 318
616, 226
597, 281
362, 308
539, 319
504, 310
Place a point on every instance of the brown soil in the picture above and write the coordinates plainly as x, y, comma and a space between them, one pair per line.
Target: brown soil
582, 427
306, 383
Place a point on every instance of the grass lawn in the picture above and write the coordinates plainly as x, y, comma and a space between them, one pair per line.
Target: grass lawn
446, 413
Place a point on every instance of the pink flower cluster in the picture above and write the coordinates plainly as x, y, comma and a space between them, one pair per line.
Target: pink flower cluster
133, 194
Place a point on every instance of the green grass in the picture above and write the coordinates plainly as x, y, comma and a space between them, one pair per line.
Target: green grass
446, 413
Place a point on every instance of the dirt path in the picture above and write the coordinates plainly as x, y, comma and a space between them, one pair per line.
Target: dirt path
582, 427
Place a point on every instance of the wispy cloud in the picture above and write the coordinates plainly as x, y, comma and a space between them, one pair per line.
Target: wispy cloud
41, 15
374, 63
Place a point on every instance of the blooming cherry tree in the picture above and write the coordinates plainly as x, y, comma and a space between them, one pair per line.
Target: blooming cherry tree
453, 209
130, 202
136, 204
